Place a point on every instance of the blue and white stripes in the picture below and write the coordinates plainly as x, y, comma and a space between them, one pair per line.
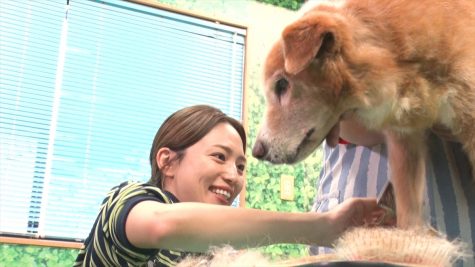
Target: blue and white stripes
357, 171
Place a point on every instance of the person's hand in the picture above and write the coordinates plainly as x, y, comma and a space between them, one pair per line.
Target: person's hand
356, 212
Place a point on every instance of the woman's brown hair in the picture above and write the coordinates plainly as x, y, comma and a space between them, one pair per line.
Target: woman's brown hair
184, 128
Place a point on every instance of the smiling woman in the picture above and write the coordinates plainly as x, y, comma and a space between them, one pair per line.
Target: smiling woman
215, 172
198, 162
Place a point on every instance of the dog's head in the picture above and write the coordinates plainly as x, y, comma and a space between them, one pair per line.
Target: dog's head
311, 79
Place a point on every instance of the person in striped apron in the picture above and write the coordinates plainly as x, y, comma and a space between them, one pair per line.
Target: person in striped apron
351, 170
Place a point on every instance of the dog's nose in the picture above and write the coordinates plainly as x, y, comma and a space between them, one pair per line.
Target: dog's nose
260, 150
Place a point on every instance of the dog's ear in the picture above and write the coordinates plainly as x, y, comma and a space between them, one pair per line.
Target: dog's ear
305, 40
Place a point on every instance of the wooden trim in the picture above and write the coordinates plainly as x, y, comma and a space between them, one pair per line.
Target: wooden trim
245, 120
39, 242
154, 4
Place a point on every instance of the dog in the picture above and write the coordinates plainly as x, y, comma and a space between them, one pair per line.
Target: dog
401, 67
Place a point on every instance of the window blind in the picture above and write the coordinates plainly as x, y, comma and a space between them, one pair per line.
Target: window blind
104, 81
29, 46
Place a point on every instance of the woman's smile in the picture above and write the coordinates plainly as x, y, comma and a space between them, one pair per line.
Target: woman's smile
223, 195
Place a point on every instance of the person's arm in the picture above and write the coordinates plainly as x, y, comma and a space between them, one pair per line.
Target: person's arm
354, 132
197, 226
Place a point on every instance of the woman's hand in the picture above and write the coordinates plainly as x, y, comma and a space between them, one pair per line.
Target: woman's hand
354, 212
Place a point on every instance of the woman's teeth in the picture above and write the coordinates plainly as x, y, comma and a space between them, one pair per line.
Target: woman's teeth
222, 192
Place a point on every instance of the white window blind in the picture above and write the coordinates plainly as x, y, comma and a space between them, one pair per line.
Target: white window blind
84, 87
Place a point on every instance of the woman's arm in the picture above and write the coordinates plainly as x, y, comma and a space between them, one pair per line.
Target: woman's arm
354, 132
197, 226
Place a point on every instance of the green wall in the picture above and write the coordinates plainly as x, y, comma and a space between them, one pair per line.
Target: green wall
264, 23
26, 256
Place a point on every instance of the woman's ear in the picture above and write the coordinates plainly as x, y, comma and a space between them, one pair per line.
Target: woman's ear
165, 158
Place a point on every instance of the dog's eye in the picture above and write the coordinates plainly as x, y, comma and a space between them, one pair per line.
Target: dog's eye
281, 87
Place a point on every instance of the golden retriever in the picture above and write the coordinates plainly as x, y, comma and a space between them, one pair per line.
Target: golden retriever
399, 66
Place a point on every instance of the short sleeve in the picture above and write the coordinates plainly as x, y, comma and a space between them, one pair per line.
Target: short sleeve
120, 205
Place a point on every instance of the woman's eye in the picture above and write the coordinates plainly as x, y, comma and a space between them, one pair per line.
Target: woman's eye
241, 167
220, 156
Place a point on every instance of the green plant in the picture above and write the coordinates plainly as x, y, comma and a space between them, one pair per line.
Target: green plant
24, 255
263, 179
289, 4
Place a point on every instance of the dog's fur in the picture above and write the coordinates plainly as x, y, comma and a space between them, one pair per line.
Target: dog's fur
399, 66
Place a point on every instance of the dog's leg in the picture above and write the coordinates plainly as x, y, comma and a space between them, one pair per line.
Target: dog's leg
469, 146
407, 173
464, 132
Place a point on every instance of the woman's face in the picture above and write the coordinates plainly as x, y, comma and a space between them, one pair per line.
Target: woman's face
211, 170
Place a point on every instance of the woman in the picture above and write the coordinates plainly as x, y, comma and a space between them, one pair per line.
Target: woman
198, 159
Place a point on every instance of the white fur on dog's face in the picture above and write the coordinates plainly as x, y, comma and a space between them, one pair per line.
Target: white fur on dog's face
302, 110
293, 128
